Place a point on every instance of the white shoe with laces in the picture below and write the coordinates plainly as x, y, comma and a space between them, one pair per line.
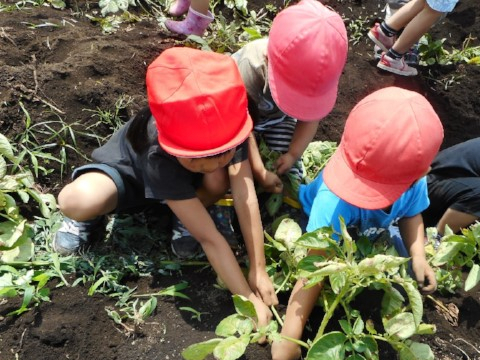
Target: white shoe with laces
396, 66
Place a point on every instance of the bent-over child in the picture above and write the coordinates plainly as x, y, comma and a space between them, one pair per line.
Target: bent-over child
186, 149
454, 188
375, 178
292, 75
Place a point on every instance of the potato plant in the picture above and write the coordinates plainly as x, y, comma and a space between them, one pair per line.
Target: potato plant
349, 268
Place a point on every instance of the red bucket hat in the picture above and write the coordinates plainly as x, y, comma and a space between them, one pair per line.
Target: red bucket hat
199, 102
307, 51
389, 141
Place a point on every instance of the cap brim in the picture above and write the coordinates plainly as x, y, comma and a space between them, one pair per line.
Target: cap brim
358, 191
239, 138
296, 104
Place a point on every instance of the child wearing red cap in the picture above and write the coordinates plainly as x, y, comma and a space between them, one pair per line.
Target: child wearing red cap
186, 150
454, 188
374, 180
415, 18
293, 75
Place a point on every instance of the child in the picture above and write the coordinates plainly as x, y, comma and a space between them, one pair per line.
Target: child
375, 178
197, 20
186, 149
454, 187
416, 18
411, 57
292, 75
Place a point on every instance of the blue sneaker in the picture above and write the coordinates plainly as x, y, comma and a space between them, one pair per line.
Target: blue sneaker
74, 236
184, 245
222, 217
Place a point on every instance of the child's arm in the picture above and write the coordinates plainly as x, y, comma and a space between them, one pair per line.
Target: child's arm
196, 219
268, 180
304, 133
300, 305
412, 231
248, 213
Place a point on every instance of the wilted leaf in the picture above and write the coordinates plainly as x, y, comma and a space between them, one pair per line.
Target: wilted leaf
201, 350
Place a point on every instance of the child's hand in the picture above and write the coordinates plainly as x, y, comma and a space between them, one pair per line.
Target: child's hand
271, 183
424, 274
285, 350
264, 315
285, 163
262, 286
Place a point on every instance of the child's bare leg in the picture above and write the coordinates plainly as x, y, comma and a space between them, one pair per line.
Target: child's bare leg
215, 186
455, 220
405, 14
300, 306
200, 5
416, 28
89, 195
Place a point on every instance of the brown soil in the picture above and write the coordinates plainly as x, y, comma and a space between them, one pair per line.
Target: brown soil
74, 67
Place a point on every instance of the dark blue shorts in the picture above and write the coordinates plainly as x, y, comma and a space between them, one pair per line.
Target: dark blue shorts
461, 194
131, 197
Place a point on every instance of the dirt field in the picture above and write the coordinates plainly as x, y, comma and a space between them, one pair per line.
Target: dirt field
75, 68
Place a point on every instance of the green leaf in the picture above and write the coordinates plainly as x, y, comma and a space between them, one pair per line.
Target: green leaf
401, 326
392, 301
228, 326
201, 350
288, 232
381, 263
231, 348
6, 148
273, 203
244, 307
473, 277
416, 351
338, 281
330, 346
415, 300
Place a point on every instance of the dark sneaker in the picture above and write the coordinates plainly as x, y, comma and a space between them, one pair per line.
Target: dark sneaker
74, 236
184, 245
412, 57
377, 52
380, 39
396, 66
222, 217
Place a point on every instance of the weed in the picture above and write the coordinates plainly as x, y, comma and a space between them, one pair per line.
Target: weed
433, 52
38, 141
113, 119
357, 28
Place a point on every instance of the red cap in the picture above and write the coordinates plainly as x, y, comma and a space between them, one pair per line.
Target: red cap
389, 141
199, 102
307, 50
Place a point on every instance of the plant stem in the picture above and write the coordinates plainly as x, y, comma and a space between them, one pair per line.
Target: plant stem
284, 282
296, 341
277, 316
328, 315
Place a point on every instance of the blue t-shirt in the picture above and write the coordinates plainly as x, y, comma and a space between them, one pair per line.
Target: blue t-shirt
323, 208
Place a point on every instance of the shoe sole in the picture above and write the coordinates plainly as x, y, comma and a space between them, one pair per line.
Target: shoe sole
395, 71
377, 42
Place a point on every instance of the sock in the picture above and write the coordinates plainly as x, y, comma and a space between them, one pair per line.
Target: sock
394, 54
387, 30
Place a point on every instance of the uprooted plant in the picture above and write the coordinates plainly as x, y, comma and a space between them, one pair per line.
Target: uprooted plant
349, 268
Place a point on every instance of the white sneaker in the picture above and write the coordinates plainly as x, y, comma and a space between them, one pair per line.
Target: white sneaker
396, 66
383, 41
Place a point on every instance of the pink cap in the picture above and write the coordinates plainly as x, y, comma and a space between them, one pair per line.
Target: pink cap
307, 50
389, 141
